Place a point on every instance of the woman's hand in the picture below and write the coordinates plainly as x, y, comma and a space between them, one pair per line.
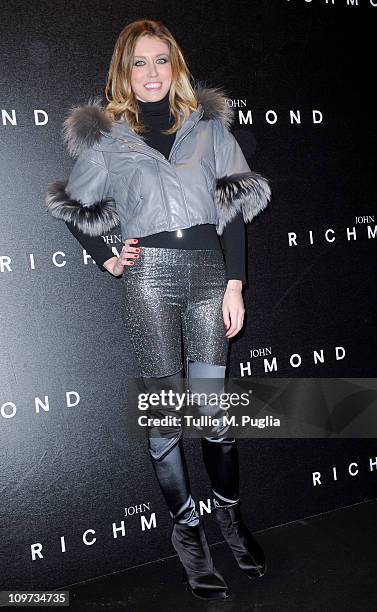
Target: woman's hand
233, 308
116, 265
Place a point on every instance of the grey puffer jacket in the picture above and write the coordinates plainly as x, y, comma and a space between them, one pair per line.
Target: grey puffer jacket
118, 179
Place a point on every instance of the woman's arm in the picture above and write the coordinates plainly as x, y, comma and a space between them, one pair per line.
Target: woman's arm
233, 243
102, 254
94, 245
240, 195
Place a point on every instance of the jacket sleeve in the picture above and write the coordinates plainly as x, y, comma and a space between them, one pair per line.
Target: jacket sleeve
86, 200
238, 188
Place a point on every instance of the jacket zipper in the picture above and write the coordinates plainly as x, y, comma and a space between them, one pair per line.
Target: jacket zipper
184, 135
162, 157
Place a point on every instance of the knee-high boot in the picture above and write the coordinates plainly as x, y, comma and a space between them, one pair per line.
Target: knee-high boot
188, 536
220, 456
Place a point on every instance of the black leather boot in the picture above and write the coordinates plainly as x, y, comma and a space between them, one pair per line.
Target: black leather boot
246, 550
188, 536
221, 461
191, 545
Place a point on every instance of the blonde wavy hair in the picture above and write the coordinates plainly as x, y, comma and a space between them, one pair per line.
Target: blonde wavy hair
122, 102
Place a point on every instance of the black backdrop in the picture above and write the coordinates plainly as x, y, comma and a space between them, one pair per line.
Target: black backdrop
66, 470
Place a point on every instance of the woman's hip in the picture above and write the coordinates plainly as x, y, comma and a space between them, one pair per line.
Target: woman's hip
178, 271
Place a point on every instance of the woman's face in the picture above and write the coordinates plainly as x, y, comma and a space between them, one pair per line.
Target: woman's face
151, 70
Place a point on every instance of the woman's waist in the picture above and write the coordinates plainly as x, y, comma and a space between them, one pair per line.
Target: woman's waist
197, 237
165, 255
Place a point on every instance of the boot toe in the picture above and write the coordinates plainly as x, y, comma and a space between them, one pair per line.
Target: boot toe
257, 571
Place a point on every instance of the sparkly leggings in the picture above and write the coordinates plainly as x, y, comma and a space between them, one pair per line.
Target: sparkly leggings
173, 306
173, 295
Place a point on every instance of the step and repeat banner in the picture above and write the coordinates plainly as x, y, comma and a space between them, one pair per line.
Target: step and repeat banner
79, 497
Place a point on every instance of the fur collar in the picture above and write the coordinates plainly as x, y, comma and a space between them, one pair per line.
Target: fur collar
82, 127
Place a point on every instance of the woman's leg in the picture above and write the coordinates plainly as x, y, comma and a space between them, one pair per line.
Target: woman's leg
219, 451
156, 293
167, 454
188, 538
207, 350
220, 457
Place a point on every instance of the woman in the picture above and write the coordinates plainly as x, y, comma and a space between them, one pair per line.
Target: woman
161, 161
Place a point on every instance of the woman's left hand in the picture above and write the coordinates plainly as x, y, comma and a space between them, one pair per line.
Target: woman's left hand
233, 308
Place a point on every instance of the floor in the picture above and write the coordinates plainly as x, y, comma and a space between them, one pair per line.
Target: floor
323, 563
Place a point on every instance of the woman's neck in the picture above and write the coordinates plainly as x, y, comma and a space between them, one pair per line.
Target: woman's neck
160, 107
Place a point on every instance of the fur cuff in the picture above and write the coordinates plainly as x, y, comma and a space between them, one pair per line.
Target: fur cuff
94, 220
248, 192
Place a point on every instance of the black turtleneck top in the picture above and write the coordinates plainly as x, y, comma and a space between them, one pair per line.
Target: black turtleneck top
156, 116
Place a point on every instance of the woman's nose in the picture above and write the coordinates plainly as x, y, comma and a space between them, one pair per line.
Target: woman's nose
152, 70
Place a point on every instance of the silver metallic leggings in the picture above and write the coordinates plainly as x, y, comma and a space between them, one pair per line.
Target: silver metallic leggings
175, 294
173, 307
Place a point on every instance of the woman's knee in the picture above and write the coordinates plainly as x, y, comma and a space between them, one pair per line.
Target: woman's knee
200, 369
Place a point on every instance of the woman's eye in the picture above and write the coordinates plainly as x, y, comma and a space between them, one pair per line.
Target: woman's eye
141, 62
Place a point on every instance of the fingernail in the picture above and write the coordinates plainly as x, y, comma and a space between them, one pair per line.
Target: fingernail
131, 263
135, 240
136, 256
137, 250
